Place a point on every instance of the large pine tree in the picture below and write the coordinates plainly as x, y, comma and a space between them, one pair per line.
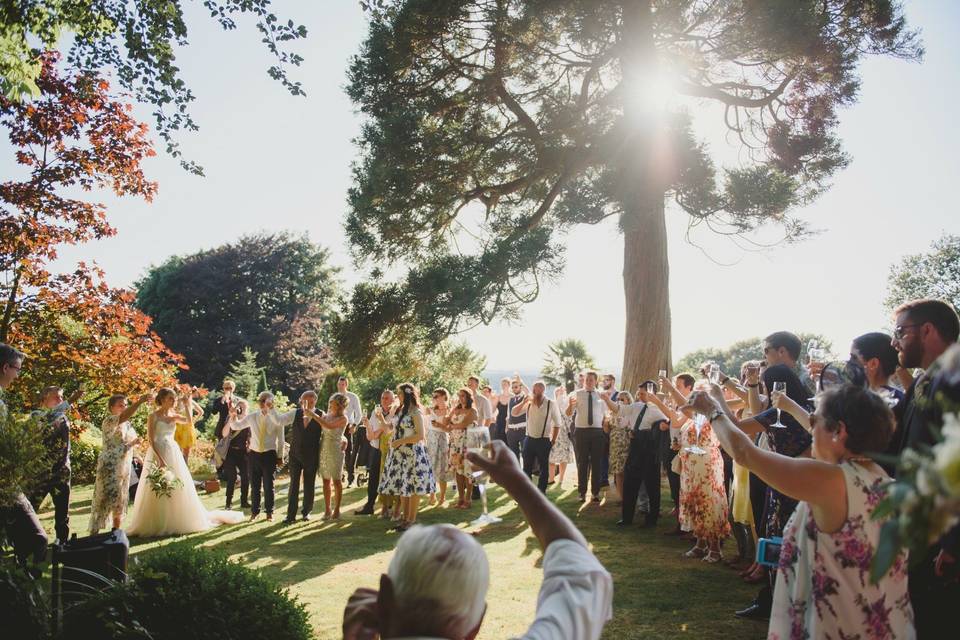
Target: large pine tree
495, 126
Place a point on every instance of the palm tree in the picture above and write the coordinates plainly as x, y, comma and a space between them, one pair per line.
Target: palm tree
563, 361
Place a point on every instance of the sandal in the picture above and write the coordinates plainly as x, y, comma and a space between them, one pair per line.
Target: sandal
712, 557
696, 552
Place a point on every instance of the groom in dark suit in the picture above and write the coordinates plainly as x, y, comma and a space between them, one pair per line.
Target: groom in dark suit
305, 436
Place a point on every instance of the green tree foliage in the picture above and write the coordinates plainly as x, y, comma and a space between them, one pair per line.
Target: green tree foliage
732, 358
935, 274
246, 374
563, 361
272, 293
24, 459
137, 41
447, 364
496, 127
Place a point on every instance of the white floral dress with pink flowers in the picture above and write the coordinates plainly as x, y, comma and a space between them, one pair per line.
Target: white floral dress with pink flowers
823, 586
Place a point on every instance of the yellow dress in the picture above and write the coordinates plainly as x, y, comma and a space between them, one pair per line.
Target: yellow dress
185, 436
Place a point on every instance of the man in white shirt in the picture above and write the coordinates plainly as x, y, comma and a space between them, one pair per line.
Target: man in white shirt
588, 437
373, 429
356, 440
643, 459
437, 581
542, 420
266, 449
484, 410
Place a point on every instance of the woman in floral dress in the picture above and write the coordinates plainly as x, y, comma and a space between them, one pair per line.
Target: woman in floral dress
111, 491
703, 498
619, 429
561, 453
462, 417
824, 587
408, 473
438, 443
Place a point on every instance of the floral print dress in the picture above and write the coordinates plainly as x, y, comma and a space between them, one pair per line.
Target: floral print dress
407, 471
111, 490
703, 498
458, 443
438, 451
823, 586
619, 443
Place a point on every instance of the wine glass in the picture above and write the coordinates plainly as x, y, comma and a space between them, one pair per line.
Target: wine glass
651, 388
713, 373
661, 376
478, 441
698, 423
782, 388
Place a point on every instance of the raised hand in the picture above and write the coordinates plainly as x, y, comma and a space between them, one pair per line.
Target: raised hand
501, 465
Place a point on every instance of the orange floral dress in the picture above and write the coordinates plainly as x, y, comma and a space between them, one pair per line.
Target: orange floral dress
703, 498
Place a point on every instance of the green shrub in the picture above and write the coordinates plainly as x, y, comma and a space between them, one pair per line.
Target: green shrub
26, 611
183, 593
83, 460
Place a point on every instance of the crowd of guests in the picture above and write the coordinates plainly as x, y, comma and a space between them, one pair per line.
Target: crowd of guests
780, 449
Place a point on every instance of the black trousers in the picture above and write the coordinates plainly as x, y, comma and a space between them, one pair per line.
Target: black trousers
308, 469
536, 452
588, 448
262, 469
24, 531
361, 448
59, 490
350, 456
667, 454
642, 468
236, 464
373, 483
605, 461
515, 438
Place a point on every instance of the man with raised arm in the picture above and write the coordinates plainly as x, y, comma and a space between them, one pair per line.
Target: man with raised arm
437, 581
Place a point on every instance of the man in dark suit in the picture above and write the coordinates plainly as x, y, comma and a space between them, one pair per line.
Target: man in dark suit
305, 434
924, 330
235, 463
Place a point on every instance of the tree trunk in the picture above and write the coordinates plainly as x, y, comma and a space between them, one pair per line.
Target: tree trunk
646, 289
10, 305
643, 182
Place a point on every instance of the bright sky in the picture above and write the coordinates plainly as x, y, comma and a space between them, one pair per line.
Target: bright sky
276, 162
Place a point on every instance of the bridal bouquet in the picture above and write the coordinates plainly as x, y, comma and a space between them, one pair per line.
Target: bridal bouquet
924, 500
162, 481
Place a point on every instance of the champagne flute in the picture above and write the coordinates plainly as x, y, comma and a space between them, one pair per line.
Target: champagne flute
698, 423
661, 376
651, 388
713, 372
782, 388
478, 441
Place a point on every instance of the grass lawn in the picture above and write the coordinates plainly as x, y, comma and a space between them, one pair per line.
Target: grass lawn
657, 593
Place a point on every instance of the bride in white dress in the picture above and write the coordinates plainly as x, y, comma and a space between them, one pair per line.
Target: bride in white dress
181, 512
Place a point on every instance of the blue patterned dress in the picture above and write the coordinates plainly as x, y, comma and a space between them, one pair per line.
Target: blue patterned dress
407, 471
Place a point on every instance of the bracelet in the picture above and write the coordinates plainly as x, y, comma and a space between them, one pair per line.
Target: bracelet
753, 386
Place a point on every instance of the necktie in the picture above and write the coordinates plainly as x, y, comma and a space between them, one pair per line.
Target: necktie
589, 408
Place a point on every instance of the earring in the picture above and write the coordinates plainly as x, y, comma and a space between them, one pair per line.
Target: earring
834, 438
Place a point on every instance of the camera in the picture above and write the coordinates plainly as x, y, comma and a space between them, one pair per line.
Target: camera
768, 552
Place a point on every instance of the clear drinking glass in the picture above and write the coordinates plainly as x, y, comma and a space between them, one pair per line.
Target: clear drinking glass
696, 449
713, 373
781, 387
651, 388
661, 375
478, 441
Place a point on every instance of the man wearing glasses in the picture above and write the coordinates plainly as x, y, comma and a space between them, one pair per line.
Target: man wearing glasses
925, 329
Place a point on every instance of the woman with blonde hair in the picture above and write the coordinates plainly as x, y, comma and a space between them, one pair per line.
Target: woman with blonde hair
186, 433
408, 473
179, 511
333, 445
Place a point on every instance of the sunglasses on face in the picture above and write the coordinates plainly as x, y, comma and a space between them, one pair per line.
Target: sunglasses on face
899, 331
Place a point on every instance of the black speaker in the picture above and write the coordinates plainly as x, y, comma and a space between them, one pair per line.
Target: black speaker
87, 565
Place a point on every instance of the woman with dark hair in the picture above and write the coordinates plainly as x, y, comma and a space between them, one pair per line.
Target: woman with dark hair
408, 473
823, 584
462, 417
438, 443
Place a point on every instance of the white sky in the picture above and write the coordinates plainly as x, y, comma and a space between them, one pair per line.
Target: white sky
276, 162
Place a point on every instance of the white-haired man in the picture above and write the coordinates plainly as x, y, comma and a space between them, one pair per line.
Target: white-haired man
437, 581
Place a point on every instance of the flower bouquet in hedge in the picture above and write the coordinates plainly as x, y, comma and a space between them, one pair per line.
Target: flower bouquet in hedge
924, 500
162, 481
